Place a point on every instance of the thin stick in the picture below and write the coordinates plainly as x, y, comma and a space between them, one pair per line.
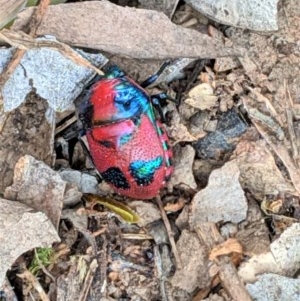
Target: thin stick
210, 237
24, 41
88, 280
169, 231
37, 16
66, 124
27, 275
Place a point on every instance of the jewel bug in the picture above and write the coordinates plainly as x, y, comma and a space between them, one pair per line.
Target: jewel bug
127, 144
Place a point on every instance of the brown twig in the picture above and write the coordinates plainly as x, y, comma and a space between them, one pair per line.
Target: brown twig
210, 237
11, 66
99, 232
169, 231
37, 16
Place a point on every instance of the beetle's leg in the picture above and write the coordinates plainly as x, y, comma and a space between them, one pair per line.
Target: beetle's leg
164, 96
150, 80
157, 106
160, 96
155, 99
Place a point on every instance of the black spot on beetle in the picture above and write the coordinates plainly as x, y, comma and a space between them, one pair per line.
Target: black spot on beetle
115, 176
107, 144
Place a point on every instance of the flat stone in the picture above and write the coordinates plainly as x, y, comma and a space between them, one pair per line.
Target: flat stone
183, 167
222, 200
194, 273
272, 287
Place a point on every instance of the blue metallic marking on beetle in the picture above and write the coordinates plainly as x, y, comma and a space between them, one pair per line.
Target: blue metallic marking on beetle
143, 171
130, 100
125, 139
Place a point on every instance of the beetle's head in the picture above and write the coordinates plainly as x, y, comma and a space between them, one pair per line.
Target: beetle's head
114, 72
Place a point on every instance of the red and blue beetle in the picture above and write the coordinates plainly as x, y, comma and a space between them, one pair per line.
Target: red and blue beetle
127, 145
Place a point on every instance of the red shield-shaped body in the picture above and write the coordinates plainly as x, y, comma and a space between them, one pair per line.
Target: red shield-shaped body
130, 156
127, 144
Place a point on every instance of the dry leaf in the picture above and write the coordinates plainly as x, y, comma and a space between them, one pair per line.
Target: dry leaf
180, 133
284, 257
126, 31
271, 207
174, 207
231, 245
202, 97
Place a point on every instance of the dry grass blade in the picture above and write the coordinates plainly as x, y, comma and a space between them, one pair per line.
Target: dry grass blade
262, 99
159, 267
119, 208
289, 116
284, 156
266, 121
5, 39
28, 276
136, 236
9, 9
88, 280
27, 42
66, 124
